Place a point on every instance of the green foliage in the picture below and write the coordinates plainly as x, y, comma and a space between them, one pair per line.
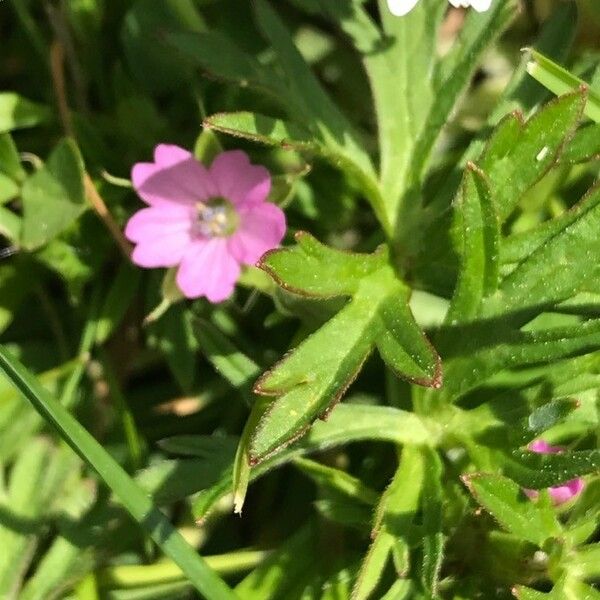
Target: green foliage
364, 403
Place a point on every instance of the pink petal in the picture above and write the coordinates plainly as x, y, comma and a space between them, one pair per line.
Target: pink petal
543, 447
175, 177
161, 235
262, 228
238, 180
208, 269
566, 491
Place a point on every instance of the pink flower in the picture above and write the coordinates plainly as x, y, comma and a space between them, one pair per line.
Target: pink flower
209, 221
561, 493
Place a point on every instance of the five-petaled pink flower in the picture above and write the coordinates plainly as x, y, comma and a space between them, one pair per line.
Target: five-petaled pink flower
209, 221
560, 493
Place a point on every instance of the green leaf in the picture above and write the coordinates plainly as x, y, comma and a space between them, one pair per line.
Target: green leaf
239, 370
554, 271
133, 497
174, 335
262, 129
545, 417
478, 276
10, 161
509, 505
221, 58
519, 154
53, 197
538, 471
474, 352
17, 281
399, 61
118, 300
559, 81
313, 269
315, 106
337, 481
17, 112
455, 71
309, 381
584, 146
293, 559
37, 480
348, 423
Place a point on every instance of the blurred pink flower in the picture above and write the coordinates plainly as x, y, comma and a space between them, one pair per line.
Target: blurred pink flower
209, 221
402, 7
560, 493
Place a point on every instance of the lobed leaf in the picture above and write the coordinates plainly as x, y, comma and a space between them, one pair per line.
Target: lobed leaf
509, 505
538, 471
561, 266
314, 269
520, 153
312, 378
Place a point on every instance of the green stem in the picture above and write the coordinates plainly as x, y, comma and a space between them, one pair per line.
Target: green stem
127, 576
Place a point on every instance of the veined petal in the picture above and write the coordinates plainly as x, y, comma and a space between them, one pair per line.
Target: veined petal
238, 180
161, 236
261, 228
399, 8
208, 269
175, 177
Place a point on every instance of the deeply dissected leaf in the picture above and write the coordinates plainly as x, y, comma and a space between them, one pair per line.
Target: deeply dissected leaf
519, 154
509, 505
53, 197
310, 380
538, 471
500, 347
557, 269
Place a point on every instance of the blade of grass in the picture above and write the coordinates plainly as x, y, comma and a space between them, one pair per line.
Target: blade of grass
133, 498
560, 81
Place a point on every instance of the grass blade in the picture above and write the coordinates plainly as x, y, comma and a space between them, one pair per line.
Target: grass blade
133, 498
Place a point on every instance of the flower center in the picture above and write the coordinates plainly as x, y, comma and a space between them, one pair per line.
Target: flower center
216, 217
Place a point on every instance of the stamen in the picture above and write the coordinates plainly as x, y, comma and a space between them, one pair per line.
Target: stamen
216, 217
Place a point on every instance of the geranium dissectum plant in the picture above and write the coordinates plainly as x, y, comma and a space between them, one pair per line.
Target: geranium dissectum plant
319, 379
